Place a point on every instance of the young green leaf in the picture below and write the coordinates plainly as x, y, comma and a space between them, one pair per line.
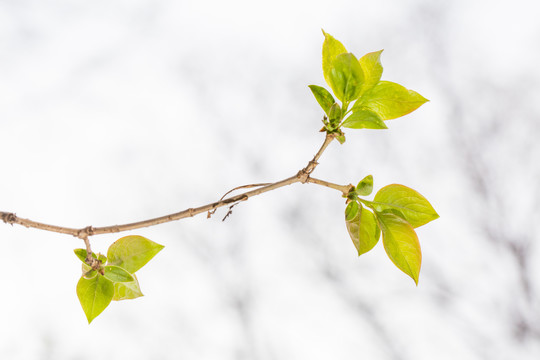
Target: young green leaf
351, 211
95, 295
117, 274
412, 206
365, 186
81, 254
364, 119
102, 258
389, 100
346, 77
127, 290
132, 252
89, 274
331, 49
352, 195
372, 67
334, 115
401, 244
323, 97
363, 230
85, 268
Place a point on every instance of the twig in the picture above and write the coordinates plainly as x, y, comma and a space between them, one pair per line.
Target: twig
302, 176
90, 260
229, 211
305, 172
343, 188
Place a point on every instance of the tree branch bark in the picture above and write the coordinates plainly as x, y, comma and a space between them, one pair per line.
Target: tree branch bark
302, 176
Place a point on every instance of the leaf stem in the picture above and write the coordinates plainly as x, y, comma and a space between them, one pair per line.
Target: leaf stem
343, 188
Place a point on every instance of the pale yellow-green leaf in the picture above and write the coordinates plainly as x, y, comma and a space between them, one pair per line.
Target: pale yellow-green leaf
363, 230
331, 49
364, 119
372, 67
401, 244
389, 100
132, 252
94, 294
323, 97
409, 203
127, 290
365, 186
117, 274
346, 77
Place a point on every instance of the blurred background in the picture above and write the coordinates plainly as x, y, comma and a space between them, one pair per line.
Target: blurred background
117, 111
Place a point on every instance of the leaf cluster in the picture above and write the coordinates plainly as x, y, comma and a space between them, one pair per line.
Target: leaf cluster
395, 211
364, 101
113, 278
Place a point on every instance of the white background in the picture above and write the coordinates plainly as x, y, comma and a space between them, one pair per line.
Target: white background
118, 111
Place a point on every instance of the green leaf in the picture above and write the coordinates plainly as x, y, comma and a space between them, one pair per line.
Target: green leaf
363, 230
372, 68
389, 100
116, 274
102, 258
412, 206
323, 97
401, 244
95, 295
85, 268
89, 273
351, 211
365, 186
132, 252
346, 77
81, 254
352, 194
126, 291
331, 49
334, 115
364, 119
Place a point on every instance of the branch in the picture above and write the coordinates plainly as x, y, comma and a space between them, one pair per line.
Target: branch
345, 189
314, 162
302, 176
